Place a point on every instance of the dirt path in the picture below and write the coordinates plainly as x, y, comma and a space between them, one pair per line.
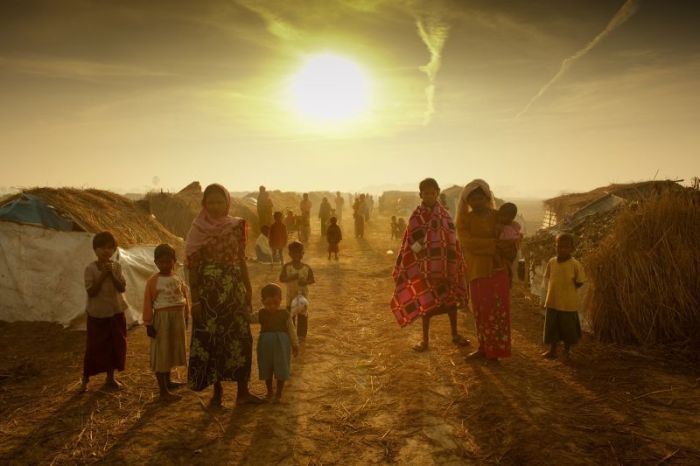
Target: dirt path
358, 394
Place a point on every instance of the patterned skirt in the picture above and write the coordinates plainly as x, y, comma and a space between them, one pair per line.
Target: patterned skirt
490, 302
222, 344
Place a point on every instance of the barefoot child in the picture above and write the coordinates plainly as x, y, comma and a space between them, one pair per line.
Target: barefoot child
334, 236
278, 238
105, 350
563, 276
394, 228
429, 272
298, 276
277, 342
166, 314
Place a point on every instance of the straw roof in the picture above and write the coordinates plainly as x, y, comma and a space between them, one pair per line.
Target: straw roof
95, 210
177, 211
568, 204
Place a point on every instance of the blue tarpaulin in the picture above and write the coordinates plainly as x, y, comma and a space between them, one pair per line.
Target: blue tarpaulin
32, 210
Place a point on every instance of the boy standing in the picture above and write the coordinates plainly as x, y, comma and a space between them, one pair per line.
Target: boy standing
429, 270
563, 276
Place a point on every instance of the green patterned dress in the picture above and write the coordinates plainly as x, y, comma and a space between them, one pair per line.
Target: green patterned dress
222, 344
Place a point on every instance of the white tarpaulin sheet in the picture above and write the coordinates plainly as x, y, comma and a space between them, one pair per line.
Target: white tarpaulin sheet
42, 270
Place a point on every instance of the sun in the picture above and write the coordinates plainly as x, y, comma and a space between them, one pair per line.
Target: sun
330, 88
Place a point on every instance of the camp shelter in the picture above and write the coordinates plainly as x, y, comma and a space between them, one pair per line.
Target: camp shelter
558, 209
591, 217
176, 211
46, 243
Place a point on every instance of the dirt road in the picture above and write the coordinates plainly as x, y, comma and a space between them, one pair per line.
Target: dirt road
358, 394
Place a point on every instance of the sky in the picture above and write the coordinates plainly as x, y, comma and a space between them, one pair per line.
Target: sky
537, 97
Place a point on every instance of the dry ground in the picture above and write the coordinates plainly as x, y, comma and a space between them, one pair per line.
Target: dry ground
358, 395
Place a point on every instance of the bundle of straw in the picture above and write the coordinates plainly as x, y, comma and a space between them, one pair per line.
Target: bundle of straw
646, 273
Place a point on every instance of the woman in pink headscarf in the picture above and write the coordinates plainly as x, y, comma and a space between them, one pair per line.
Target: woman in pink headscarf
222, 344
489, 289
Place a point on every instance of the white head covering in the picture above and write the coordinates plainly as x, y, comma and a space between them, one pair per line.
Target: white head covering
468, 189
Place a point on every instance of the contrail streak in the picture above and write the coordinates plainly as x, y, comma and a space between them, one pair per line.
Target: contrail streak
628, 9
433, 33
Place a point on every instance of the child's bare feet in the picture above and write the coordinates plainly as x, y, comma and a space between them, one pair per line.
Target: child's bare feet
549, 354
114, 384
175, 385
478, 354
420, 347
83, 385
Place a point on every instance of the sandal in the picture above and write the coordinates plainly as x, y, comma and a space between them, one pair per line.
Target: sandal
459, 340
420, 347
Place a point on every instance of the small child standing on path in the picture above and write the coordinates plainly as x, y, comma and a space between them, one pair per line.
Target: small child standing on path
166, 308
394, 227
563, 276
298, 276
278, 238
277, 341
105, 350
334, 236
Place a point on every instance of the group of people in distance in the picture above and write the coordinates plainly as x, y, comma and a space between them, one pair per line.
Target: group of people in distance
273, 237
442, 265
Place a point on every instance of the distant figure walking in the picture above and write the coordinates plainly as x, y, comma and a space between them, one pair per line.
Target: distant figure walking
334, 235
265, 207
278, 238
339, 205
359, 216
324, 213
305, 223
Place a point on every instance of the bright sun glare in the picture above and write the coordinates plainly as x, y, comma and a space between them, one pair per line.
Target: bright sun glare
330, 88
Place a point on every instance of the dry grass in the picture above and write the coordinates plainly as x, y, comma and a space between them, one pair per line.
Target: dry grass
176, 211
647, 273
97, 210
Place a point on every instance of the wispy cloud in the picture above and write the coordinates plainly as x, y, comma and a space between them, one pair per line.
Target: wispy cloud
628, 9
75, 69
276, 25
433, 32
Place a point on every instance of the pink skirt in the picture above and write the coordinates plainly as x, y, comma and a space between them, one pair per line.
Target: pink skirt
490, 302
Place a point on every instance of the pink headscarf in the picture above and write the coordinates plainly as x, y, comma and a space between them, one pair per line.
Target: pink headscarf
205, 227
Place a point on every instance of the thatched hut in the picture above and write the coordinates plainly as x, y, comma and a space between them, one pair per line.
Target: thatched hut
176, 211
639, 243
47, 235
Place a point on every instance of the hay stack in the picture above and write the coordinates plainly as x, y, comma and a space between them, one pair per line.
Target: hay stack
176, 211
96, 210
646, 273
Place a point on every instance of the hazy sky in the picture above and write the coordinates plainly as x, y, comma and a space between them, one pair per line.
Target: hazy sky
112, 94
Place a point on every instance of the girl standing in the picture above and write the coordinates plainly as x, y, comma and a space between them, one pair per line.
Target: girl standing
105, 350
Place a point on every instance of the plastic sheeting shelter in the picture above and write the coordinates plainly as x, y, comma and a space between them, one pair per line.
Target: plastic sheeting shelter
42, 270
31, 210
